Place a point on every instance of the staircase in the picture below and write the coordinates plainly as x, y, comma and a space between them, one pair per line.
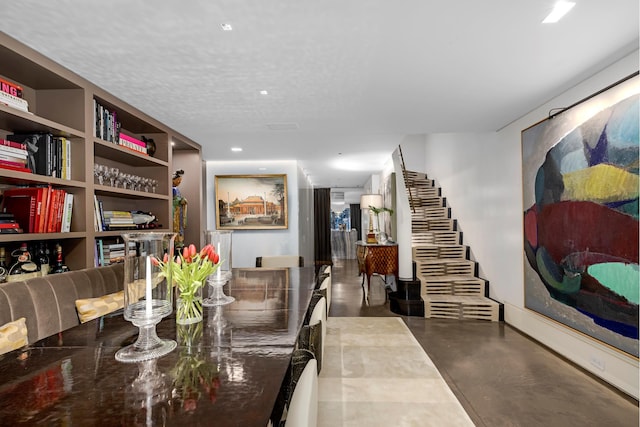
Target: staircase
450, 286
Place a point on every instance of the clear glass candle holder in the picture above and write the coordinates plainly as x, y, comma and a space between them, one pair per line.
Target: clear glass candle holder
148, 295
221, 241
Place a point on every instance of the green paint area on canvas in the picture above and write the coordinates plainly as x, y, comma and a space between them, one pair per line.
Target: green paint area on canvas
621, 278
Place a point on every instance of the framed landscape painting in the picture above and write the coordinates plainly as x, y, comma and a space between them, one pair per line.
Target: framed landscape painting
580, 190
251, 202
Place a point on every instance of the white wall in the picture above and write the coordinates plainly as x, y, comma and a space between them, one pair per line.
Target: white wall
481, 177
249, 244
305, 218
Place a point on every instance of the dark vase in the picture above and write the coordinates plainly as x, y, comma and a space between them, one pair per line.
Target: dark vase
151, 145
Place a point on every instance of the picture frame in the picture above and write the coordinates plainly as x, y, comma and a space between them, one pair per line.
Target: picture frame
580, 216
251, 202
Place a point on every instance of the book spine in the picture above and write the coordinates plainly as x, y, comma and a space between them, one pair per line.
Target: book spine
20, 152
44, 197
51, 211
14, 101
96, 214
104, 228
13, 161
10, 166
68, 212
14, 144
132, 140
68, 151
10, 88
59, 211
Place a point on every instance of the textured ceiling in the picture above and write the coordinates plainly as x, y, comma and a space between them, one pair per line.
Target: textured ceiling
349, 77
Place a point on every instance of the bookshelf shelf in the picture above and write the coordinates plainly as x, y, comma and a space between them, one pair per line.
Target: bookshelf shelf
19, 121
63, 104
30, 237
124, 155
105, 190
119, 233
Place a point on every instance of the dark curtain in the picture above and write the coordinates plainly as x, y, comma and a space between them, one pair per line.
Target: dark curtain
322, 226
356, 218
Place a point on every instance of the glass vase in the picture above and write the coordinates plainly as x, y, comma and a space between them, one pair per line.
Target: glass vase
148, 294
221, 241
189, 306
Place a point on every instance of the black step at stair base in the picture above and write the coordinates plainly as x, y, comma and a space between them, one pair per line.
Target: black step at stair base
407, 301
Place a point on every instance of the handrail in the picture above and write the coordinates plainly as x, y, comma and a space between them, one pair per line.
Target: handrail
404, 175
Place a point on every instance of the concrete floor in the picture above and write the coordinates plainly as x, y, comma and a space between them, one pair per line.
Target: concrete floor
500, 376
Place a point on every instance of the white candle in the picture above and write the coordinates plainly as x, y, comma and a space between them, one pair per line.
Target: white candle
219, 272
148, 286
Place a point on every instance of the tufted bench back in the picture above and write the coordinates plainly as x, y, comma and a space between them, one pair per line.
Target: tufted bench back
48, 303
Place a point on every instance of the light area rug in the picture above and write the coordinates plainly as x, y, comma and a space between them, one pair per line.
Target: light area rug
375, 373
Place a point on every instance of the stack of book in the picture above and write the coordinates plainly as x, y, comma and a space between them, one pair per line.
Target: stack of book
14, 156
107, 126
39, 209
110, 252
8, 224
132, 143
45, 154
11, 95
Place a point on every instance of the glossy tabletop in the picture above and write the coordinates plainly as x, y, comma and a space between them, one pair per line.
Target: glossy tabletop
226, 371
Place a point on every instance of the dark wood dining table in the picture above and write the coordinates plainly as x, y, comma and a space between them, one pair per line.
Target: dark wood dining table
226, 371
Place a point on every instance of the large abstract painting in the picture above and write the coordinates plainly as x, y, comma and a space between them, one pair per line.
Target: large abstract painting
580, 179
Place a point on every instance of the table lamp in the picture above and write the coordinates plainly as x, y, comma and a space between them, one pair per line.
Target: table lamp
368, 201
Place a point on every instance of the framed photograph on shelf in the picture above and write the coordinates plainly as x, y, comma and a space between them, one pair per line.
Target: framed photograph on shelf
251, 202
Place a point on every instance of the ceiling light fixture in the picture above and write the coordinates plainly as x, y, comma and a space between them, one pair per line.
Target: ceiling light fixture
560, 9
236, 149
226, 27
264, 92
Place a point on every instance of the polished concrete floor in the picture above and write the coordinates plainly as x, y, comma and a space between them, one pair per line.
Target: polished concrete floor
500, 376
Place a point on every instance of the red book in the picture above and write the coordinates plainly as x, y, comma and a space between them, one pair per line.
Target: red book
11, 88
133, 140
22, 203
54, 216
43, 202
8, 166
9, 225
13, 144
59, 211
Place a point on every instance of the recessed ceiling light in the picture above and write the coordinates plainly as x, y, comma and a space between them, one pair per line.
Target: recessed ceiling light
560, 9
264, 92
226, 27
236, 149
262, 169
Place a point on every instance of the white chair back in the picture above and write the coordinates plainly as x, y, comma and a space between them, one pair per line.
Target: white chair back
281, 261
319, 314
326, 284
303, 408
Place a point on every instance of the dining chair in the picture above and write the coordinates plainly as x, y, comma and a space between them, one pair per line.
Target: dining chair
280, 261
314, 330
302, 410
326, 285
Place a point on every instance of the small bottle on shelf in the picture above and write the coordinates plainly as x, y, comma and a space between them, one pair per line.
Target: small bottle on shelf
59, 266
4, 270
23, 267
42, 258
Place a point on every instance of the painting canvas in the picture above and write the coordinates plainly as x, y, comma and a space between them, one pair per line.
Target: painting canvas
246, 202
389, 202
580, 190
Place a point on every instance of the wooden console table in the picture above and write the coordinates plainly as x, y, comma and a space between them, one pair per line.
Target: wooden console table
376, 258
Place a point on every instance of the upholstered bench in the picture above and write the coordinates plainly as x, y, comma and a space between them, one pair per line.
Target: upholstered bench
48, 303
